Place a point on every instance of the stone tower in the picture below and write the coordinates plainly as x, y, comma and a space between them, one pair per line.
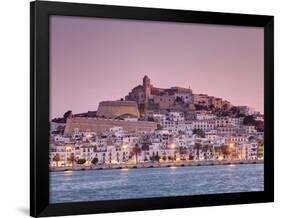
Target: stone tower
147, 88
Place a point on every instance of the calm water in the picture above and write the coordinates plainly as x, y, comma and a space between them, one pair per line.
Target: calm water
154, 182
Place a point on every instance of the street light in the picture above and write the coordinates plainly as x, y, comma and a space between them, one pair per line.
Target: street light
89, 135
125, 146
173, 146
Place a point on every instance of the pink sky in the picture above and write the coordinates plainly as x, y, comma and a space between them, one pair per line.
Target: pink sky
94, 59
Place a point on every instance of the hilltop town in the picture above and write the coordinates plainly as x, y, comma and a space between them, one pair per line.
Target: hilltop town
157, 126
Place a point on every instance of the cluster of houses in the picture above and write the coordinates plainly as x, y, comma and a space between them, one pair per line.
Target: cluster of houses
176, 139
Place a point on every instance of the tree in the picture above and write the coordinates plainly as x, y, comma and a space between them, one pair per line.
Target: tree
191, 157
260, 126
251, 138
218, 151
199, 132
58, 120
260, 151
150, 119
155, 158
249, 120
81, 161
182, 150
226, 150
95, 160
61, 129
206, 147
72, 159
136, 151
67, 114
197, 147
56, 158
145, 147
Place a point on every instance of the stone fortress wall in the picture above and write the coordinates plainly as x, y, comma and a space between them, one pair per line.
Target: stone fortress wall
100, 125
113, 109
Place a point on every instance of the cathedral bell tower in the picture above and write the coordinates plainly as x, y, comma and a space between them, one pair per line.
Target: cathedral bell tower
146, 87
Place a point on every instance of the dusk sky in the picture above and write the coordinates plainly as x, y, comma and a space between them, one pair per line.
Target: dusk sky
94, 59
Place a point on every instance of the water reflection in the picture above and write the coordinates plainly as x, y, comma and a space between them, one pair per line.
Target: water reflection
75, 186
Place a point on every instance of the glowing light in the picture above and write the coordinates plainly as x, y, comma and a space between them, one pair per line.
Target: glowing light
88, 163
173, 146
68, 148
220, 158
178, 159
60, 163
89, 135
125, 146
231, 145
114, 162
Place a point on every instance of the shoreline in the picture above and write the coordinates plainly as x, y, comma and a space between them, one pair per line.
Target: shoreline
155, 165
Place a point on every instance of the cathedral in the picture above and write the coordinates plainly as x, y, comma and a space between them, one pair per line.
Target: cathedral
153, 99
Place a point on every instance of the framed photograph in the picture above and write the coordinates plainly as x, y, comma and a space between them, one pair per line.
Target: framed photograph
143, 108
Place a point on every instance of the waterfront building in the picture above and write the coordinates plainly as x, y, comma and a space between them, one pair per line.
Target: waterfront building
60, 154
247, 150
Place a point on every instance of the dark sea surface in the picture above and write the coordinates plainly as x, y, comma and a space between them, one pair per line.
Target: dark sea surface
94, 185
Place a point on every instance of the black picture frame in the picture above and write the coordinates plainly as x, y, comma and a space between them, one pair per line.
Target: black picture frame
39, 107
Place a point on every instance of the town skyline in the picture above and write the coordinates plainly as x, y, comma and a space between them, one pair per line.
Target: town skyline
90, 76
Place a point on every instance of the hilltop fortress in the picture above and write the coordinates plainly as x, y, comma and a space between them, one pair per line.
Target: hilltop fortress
154, 100
142, 103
